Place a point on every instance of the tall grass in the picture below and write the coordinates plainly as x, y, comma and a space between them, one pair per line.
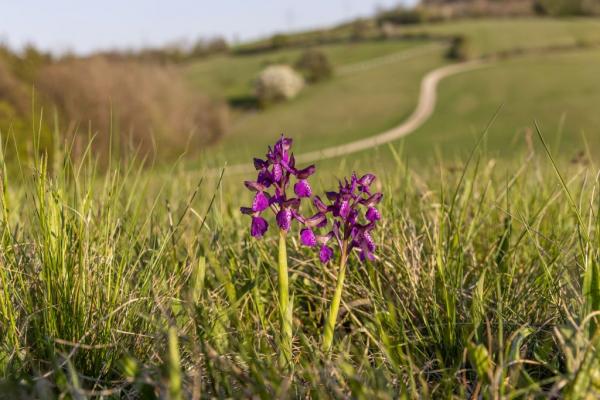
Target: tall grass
139, 283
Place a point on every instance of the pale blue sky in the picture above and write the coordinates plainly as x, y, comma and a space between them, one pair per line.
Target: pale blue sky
84, 25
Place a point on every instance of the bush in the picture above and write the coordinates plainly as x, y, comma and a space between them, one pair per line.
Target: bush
13, 92
567, 7
276, 83
314, 65
16, 119
148, 105
444, 10
204, 48
459, 49
279, 41
402, 16
591, 7
359, 30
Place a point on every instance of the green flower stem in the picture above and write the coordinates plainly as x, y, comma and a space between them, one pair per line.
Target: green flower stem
335, 303
285, 355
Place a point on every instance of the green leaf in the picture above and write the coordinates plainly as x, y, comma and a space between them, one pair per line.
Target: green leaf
174, 366
197, 279
480, 360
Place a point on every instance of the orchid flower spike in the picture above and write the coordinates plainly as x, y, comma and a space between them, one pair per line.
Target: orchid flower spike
275, 173
353, 214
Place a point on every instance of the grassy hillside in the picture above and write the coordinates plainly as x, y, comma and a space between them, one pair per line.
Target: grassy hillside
348, 107
232, 76
370, 91
491, 36
560, 91
552, 82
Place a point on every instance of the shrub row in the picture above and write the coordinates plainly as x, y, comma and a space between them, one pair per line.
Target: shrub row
567, 7
145, 106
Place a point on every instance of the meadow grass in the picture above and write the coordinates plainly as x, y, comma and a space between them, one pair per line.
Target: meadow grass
348, 106
137, 283
340, 110
232, 75
558, 90
489, 36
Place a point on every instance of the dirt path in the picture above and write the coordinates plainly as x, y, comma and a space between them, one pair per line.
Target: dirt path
424, 109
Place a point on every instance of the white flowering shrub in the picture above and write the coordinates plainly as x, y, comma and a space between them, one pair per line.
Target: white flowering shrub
278, 82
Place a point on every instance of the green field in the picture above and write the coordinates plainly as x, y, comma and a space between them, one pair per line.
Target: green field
490, 36
344, 109
232, 76
560, 91
557, 87
349, 106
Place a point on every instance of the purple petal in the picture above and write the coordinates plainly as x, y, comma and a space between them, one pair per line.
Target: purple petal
344, 209
278, 197
277, 172
353, 182
264, 178
281, 149
369, 227
261, 202
260, 164
284, 144
259, 227
319, 204
323, 223
366, 179
368, 241
366, 255
284, 219
315, 220
292, 203
287, 165
336, 229
308, 238
255, 186
373, 200
306, 172
373, 214
333, 196
325, 254
352, 217
271, 155
246, 210
302, 188
323, 239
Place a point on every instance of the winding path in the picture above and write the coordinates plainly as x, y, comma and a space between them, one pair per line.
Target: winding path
424, 109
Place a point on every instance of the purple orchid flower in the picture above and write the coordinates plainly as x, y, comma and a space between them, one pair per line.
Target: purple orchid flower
271, 186
354, 216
